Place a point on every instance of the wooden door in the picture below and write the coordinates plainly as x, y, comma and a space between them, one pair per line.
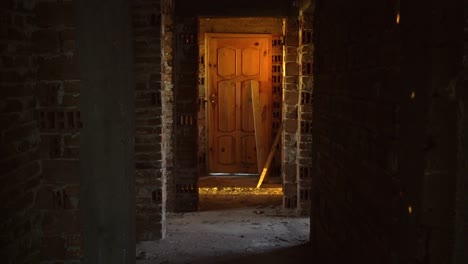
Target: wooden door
239, 81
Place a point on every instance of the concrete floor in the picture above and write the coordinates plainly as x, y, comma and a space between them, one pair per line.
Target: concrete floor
233, 225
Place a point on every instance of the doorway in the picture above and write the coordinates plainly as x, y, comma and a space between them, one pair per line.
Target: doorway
239, 101
232, 149
240, 87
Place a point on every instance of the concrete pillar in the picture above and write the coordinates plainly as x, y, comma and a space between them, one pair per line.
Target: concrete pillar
107, 198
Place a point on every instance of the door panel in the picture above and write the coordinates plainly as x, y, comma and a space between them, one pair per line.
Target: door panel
249, 154
226, 113
227, 150
247, 108
235, 64
226, 61
251, 61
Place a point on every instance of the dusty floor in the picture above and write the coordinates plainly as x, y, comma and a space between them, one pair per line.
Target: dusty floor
239, 181
234, 225
221, 193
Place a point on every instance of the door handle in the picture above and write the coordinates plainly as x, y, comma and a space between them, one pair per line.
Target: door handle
213, 98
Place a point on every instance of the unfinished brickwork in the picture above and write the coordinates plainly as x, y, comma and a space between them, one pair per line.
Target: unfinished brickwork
289, 138
57, 93
185, 178
150, 184
20, 165
305, 88
167, 101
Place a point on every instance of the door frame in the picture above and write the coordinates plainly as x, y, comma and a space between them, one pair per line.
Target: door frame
208, 113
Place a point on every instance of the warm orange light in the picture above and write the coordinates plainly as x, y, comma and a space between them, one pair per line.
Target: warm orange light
413, 95
241, 191
398, 18
410, 209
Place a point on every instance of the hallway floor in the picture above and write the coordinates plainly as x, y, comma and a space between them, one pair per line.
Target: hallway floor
235, 192
249, 235
236, 224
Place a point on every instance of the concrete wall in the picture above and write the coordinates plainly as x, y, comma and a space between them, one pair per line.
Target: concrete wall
461, 215
19, 136
444, 146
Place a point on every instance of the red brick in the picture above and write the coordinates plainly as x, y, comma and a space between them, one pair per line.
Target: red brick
54, 14
291, 97
45, 198
292, 69
58, 68
20, 132
14, 76
61, 171
147, 148
17, 61
148, 156
71, 87
290, 125
72, 140
45, 41
11, 106
53, 248
70, 100
148, 131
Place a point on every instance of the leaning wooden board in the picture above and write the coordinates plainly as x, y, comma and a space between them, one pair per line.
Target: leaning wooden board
259, 125
270, 156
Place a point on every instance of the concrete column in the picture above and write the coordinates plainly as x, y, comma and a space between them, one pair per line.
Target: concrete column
107, 196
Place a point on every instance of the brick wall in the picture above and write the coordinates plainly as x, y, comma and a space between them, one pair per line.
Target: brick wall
57, 93
184, 187
167, 100
356, 195
289, 138
305, 88
146, 16
19, 137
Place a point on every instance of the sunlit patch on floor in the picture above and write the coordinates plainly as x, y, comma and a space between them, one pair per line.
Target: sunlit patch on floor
240, 191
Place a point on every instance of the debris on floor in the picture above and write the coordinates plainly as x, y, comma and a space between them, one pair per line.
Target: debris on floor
223, 236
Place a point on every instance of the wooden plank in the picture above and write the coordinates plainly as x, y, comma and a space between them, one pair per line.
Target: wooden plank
270, 156
258, 124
